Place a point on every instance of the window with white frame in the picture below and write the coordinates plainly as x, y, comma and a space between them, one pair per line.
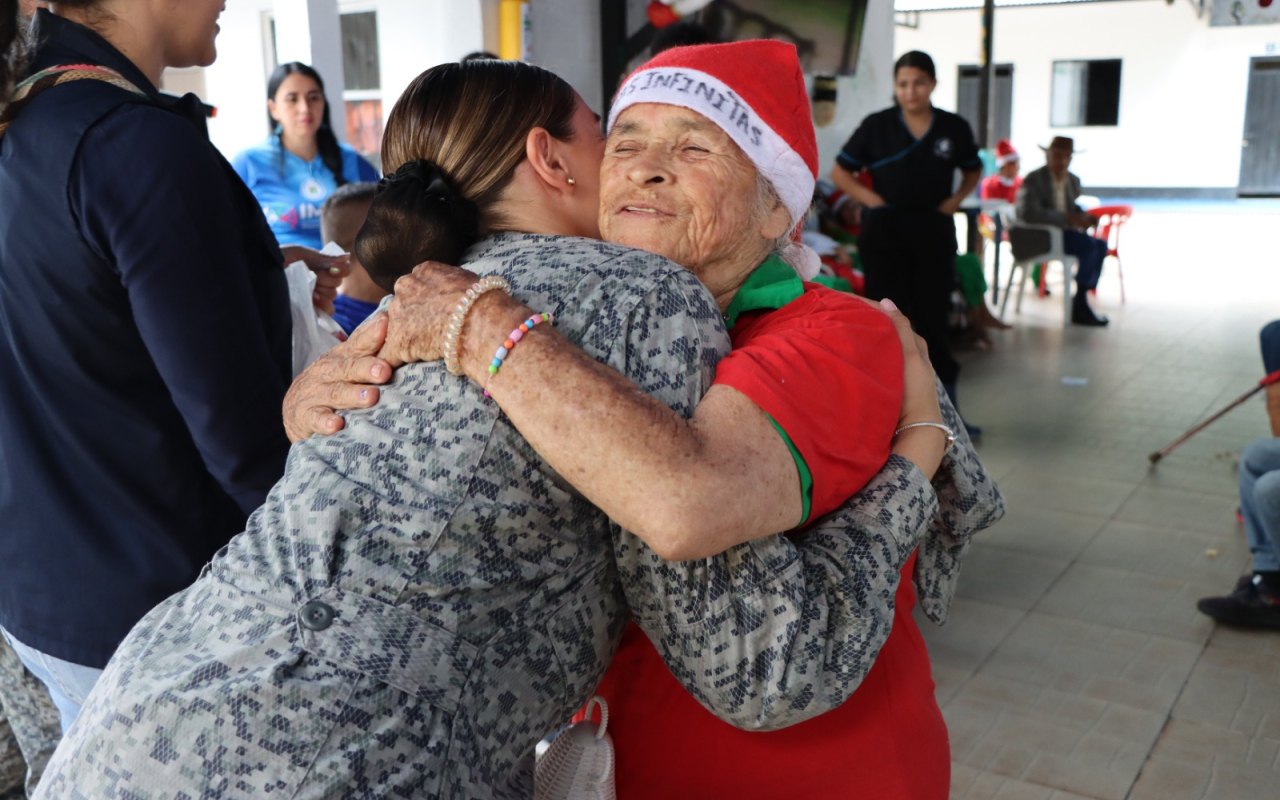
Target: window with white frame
1085, 93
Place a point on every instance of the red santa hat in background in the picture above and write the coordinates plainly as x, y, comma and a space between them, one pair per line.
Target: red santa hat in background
754, 91
666, 12
1005, 152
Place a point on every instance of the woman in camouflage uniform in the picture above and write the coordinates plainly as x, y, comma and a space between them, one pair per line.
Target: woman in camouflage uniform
422, 597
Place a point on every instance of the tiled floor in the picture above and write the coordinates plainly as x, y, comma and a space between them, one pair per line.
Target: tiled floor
1075, 664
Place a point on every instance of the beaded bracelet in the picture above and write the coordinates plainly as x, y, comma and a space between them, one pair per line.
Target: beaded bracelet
516, 335
453, 332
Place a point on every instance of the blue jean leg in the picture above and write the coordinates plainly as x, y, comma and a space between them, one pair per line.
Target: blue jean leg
1260, 501
1091, 252
68, 684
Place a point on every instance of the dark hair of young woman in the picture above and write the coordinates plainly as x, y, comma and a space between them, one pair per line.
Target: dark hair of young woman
326, 142
14, 46
452, 145
918, 59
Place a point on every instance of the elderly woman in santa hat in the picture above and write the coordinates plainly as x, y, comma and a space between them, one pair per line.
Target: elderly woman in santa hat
424, 596
710, 161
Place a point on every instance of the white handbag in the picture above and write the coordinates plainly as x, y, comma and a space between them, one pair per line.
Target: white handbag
578, 765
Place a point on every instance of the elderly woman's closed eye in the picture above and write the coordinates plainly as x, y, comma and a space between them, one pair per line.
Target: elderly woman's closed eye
676, 184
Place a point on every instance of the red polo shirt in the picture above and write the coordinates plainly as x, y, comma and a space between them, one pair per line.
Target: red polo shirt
827, 368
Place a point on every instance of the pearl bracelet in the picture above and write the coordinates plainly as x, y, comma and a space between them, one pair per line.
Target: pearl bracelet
453, 331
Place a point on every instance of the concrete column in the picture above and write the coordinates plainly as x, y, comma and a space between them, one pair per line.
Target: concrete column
310, 31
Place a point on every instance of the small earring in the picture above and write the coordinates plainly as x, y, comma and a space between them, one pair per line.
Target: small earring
572, 182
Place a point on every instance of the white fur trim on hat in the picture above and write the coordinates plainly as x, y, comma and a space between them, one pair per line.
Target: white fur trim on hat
712, 98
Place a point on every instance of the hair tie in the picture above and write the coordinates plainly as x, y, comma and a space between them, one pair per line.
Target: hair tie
420, 172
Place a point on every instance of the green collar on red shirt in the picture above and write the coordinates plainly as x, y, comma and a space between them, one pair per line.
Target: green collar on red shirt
771, 286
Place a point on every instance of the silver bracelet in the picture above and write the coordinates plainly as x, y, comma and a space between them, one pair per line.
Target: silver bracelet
950, 434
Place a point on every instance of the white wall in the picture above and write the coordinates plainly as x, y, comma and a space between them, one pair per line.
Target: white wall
1182, 87
237, 82
564, 37
413, 36
868, 90
417, 34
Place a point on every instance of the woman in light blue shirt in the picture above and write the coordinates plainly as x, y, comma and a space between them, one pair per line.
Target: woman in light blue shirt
301, 163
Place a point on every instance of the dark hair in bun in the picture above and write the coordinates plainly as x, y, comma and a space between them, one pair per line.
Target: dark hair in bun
415, 216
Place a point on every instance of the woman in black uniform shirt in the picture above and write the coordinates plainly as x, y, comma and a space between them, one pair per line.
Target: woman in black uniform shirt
908, 241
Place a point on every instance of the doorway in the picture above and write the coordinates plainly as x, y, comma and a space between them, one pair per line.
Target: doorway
1260, 150
1002, 98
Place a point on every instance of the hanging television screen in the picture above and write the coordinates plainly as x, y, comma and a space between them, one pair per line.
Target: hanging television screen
827, 33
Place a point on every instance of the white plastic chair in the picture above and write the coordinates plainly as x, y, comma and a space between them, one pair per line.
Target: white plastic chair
1024, 264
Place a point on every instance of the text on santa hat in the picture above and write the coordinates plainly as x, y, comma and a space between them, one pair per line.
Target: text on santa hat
706, 96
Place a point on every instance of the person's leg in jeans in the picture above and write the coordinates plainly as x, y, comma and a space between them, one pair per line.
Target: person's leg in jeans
68, 684
1256, 600
1260, 506
1090, 252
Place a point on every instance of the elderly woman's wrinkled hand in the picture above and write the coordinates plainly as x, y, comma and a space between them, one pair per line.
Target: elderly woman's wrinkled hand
341, 379
424, 300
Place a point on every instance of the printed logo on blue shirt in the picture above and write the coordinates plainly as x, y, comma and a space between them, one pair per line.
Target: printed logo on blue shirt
312, 189
280, 214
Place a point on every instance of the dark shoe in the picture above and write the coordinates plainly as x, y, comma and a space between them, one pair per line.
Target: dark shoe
1250, 605
1085, 316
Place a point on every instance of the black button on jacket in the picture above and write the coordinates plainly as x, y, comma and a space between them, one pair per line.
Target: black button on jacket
144, 354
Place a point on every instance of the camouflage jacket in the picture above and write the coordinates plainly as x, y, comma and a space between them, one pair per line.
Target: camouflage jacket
421, 598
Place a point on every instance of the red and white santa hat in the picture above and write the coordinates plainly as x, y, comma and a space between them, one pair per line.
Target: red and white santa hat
1005, 152
754, 90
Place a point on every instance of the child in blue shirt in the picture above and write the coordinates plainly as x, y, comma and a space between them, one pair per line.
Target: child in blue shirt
340, 219
299, 166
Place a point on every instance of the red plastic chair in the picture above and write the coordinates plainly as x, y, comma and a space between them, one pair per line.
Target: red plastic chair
1110, 218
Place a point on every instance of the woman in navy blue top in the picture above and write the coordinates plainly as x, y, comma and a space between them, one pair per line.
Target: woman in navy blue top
145, 335
301, 163
908, 239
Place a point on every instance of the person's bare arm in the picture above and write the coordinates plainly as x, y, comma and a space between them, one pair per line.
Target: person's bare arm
1273, 407
688, 488
847, 183
329, 270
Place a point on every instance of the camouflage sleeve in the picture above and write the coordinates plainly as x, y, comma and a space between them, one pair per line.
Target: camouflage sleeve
968, 501
779, 630
33, 728
775, 631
